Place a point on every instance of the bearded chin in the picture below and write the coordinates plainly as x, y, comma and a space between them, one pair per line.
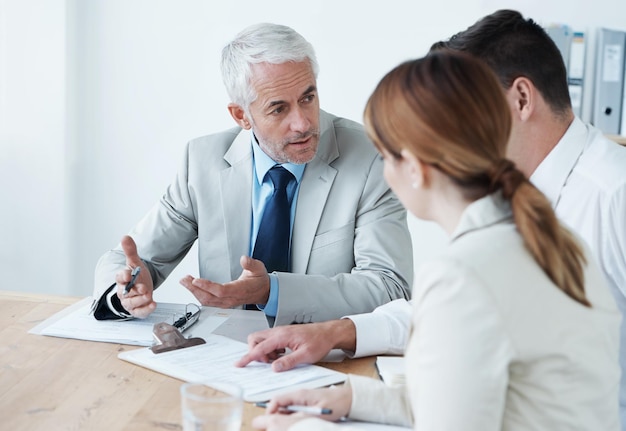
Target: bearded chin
283, 152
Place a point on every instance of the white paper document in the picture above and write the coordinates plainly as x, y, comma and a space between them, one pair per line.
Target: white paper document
214, 361
391, 370
370, 426
76, 321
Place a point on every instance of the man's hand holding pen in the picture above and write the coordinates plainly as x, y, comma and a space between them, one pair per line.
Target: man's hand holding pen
135, 296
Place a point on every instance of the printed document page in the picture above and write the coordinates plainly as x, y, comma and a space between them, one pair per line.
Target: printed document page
369, 426
391, 370
214, 361
76, 321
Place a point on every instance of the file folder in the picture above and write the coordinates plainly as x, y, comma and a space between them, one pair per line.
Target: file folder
571, 44
622, 129
562, 37
576, 71
609, 81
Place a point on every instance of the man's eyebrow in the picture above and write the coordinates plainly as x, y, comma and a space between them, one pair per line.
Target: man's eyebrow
276, 102
310, 89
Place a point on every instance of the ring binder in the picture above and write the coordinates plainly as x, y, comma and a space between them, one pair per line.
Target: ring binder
609, 80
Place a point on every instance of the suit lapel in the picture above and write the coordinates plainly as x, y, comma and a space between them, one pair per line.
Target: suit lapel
316, 183
236, 195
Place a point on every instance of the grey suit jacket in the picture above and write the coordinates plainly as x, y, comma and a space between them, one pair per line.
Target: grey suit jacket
350, 251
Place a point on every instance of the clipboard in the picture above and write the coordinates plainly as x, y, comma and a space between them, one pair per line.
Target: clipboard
169, 337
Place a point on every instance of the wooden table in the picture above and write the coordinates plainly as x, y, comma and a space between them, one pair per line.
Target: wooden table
620, 139
50, 383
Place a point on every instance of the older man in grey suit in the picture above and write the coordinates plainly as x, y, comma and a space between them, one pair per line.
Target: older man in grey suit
347, 246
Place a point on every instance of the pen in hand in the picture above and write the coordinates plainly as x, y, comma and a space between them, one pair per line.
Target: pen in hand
304, 409
134, 273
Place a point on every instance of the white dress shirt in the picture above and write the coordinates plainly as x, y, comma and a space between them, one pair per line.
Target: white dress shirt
495, 345
584, 177
384, 331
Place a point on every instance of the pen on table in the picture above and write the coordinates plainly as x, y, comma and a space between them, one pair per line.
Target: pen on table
304, 409
187, 320
134, 273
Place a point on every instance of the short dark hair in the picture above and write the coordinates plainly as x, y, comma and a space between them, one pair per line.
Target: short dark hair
513, 46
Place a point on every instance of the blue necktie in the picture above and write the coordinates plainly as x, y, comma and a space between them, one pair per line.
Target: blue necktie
272, 241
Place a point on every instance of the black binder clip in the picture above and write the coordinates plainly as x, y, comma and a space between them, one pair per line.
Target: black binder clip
169, 337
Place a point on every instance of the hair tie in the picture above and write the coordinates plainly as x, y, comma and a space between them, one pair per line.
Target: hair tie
506, 176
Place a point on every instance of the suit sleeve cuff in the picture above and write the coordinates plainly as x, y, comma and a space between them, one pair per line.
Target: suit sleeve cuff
109, 307
373, 401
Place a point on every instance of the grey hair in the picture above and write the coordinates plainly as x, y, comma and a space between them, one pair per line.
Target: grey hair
261, 43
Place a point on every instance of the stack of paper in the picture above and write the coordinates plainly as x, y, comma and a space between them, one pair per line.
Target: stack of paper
214, 362
77, 321
391, 370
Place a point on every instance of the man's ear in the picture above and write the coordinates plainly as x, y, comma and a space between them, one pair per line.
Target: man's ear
522, 95
239, 115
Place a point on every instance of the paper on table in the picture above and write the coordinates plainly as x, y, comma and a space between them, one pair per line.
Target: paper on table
76, 321
214, 361
391, 370
370, 426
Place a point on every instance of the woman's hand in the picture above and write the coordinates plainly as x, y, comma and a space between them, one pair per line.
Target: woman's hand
277, 417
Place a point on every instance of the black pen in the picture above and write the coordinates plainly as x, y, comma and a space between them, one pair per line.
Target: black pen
304, 409
187, 320
134, 273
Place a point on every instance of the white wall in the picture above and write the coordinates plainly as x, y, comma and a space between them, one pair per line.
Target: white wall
35, 211
98, 98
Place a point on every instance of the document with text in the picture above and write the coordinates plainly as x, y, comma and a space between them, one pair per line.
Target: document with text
214, 362
370, 426
391, 370
77, 321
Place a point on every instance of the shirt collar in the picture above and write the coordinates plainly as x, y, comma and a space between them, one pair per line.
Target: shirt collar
263, 163
552, 173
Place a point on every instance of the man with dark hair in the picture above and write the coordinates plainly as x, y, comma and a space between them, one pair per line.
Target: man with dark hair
574, 164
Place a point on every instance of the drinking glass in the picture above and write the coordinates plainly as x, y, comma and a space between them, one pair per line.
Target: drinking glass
211, 406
